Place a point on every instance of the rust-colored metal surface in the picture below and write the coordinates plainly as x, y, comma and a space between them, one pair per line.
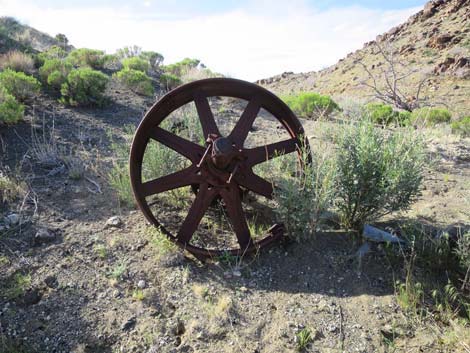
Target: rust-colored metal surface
221, 169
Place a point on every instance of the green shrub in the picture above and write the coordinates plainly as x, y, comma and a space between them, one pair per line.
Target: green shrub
54, 72
10, 110
310, 105
17, 61
461, 126
378, 172
303, 196
84, 86
54, 52
169, 81
136, 63
181, 67
153, 58
430, 116
18, 84
136, 80
87, 57
384, 114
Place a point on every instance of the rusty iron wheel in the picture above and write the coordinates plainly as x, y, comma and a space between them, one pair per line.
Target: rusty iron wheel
221, 169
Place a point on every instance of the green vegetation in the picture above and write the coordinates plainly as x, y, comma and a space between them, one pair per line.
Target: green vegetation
136, 63
118, 271
18, 84
86, 57
311, 105
378, 172
16, 286
17, 61
430, 116
10, 110
461, 126
384, 114
84, 86
303, 196
137, 81
180, 68
54, 72
160, 241
54, 52
303, 338
10, 189
169, 81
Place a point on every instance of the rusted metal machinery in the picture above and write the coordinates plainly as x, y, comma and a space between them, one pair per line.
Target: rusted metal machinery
220, 170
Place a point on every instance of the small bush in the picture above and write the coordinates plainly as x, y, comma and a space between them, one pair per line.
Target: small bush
54, 72
136, 80
18, 84
302, 197
153, 58
378, 172
310, 105
384, 114
462, 126
169, 81
430, 116
17, 61
10, 189
136, 63
54, 52
87, 57
10, 110
84, 86
180, 68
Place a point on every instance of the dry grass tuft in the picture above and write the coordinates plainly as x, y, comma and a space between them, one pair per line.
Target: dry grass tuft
17, 61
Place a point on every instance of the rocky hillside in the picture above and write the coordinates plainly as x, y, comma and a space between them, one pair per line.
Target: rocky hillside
14, 35
432, 45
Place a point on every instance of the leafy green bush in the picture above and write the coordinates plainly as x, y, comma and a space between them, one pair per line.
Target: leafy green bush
17, 61
153, 58
461, 126
54, 52
87, 57
181, 67
169, 81
136, 63
430, 116
310, 105
10, 110
303, 196
84, 86
378, 172
136, 80
18, 84
54, 72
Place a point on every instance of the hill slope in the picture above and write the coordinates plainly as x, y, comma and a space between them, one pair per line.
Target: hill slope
14, 35
433, 43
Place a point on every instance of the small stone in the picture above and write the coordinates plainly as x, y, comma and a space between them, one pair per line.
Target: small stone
179, 328
51, 281
43, 236
332, 328
236, 273
141, 284
12, 219
129, 324
113, 222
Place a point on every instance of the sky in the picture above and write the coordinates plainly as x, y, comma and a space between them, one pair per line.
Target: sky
246, 39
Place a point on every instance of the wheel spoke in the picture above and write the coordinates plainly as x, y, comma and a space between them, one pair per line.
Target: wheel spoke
255, 183
264, 153
172, 181
237, 217
204, 198
189, 149
205, 116
242, 128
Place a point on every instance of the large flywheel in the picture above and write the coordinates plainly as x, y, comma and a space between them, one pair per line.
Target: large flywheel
220, 168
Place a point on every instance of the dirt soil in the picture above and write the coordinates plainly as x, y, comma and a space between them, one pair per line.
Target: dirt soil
107, 288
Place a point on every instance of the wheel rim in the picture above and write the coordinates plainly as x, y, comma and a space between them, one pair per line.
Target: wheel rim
222, 167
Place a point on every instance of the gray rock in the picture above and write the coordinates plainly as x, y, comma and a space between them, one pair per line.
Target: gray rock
141, 284
12, 219
43, 236
129, 324
113, 222
51, 281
